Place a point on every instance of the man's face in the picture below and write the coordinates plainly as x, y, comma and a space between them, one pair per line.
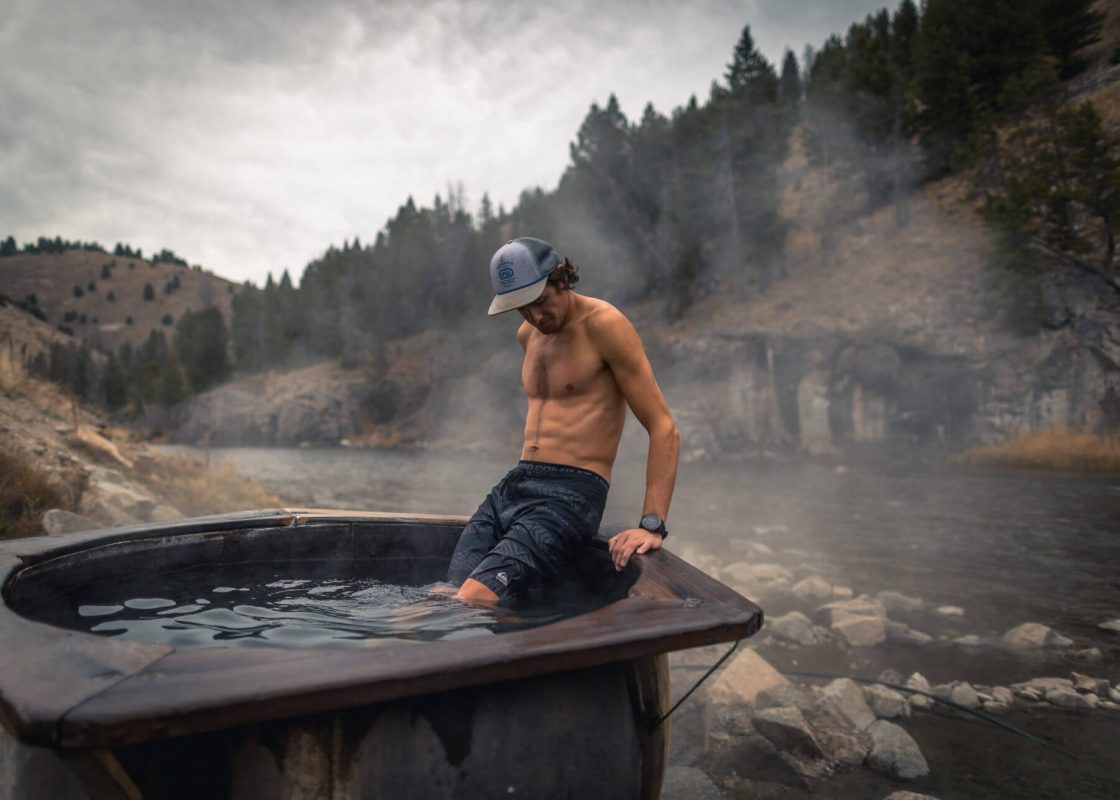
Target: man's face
547, 312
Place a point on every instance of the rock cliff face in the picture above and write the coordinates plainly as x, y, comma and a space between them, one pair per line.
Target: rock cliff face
819, 393
420, 395
319, 405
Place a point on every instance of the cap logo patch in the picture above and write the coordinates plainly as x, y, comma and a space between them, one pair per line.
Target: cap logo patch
505, 272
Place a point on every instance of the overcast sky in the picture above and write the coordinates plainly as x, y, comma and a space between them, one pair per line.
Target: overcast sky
248, 135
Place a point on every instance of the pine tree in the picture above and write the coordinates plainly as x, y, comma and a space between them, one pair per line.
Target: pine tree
201, 344
750, 72
1056, 178
1069, 26
114, 387
789, 86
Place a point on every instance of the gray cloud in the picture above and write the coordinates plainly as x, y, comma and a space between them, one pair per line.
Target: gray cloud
247, 135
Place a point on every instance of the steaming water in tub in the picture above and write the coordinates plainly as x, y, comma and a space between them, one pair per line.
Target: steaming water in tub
271, 606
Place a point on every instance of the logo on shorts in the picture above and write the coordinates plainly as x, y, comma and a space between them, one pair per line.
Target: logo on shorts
503, 578
505, 272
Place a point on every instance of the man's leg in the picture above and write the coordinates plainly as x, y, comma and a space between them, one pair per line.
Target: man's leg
478, 538
526, 533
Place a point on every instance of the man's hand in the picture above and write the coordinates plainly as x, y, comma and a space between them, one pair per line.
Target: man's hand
636, 540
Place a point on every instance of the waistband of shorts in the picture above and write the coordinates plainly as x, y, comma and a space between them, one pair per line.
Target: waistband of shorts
545, 469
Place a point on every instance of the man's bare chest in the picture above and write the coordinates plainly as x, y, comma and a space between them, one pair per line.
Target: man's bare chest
558, 368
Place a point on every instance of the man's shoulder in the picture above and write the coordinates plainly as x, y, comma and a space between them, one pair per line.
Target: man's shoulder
601, 316
610, 330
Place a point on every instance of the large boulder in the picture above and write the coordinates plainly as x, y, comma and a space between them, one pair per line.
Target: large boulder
841, 743
751, 756
895, 601
858, 630
894, 752
845, 696
753, 579
900, 633
742, 678
962, 694
689, 783
1034, 636
886, 703
787, 694
795, 627
812, 588
57, 520
1041, 685
787, 730
1069, 698
1001, 694
862, 606
1085, 683
918, 681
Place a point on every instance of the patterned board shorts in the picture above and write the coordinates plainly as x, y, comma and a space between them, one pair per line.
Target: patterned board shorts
529, 526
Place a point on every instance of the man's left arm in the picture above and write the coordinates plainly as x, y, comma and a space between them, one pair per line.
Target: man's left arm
622, 350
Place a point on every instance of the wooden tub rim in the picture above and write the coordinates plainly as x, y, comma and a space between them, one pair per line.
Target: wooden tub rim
65, 688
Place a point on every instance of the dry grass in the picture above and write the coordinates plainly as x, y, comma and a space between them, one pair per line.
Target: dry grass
1058, 447
196, 489
25, 493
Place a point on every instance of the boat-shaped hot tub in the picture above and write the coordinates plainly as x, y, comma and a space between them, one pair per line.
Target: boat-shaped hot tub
563, 709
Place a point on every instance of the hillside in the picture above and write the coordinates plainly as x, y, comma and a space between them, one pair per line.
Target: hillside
100, 297
57, 453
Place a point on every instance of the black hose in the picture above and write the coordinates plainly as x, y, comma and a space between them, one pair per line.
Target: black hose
657, 723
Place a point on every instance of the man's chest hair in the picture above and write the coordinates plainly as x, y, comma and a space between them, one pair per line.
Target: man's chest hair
561, 366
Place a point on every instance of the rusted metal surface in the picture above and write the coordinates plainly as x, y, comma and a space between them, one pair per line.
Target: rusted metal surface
78, 690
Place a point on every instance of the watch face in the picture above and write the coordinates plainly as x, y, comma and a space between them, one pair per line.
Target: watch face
651, 522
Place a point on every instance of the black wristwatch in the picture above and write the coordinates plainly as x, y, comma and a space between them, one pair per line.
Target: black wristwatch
654, 524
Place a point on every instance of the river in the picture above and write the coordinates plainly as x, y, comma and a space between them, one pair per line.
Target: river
1006, 547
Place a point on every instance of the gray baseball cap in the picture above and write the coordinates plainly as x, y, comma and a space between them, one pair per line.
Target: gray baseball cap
519, 272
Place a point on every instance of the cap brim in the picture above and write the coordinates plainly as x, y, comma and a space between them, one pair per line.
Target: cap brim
517, 298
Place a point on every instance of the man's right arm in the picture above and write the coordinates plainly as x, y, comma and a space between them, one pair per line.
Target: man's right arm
622, 350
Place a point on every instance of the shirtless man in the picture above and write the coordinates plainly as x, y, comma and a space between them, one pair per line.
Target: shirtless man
584, 364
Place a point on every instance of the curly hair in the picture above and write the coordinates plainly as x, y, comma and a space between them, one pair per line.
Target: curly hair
565, 273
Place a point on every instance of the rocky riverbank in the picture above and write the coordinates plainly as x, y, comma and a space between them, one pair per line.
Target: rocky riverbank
772, 723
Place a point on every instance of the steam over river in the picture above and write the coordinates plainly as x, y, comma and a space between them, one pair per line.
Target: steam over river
1006, 547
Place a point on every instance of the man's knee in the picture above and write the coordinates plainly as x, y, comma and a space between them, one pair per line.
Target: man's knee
476, 593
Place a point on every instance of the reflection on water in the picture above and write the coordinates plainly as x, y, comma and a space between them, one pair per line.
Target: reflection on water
210, 606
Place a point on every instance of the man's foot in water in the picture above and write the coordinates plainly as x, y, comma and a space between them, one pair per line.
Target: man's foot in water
441, 591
